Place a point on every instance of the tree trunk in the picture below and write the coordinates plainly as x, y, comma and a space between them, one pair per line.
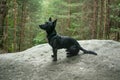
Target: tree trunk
95, 19
118, 27
69, 13
15, 23
101, 19
3, 13
106, 30
23, 18
5, 39
106, 20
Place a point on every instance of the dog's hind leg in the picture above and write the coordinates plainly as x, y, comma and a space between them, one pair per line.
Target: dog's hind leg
72, 51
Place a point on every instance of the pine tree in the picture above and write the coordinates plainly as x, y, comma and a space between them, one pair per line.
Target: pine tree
3, 13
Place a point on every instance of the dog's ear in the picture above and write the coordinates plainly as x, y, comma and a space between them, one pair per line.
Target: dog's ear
50, 19
54, 22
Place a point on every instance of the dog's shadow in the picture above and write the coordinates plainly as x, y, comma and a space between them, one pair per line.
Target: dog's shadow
69, 60
64, 63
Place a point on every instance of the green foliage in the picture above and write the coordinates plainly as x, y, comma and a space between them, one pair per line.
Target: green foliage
115, 17
40, 38
115, 30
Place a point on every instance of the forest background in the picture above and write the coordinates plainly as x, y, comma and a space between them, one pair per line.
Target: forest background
80, 19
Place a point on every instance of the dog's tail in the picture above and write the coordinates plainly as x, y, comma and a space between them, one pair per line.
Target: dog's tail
87, 52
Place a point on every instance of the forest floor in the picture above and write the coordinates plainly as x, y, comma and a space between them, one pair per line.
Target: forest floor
36, 63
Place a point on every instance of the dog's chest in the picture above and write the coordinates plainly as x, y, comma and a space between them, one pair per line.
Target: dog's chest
55, 42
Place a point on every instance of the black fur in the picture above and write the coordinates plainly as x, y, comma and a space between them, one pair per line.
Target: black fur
57, 42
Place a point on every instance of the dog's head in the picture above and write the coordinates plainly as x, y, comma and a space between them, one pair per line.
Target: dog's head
48, 26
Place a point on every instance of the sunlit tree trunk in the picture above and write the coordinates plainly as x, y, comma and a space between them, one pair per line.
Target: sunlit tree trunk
15, 23
101, 19
106, 30
95, 19
108, 18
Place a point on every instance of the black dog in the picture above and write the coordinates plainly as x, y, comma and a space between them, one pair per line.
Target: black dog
57, 42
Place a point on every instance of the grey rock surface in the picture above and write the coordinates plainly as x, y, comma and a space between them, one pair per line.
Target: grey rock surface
36, 63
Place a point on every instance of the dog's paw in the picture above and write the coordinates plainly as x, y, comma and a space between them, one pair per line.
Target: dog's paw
69, 55
52, 56
54, 59
67, 50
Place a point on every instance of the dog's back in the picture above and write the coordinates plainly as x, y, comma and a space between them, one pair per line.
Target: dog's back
63, 42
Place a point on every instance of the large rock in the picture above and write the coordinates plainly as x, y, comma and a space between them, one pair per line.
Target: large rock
36, 63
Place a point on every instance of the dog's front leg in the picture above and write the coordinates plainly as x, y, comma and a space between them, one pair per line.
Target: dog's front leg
54, 55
